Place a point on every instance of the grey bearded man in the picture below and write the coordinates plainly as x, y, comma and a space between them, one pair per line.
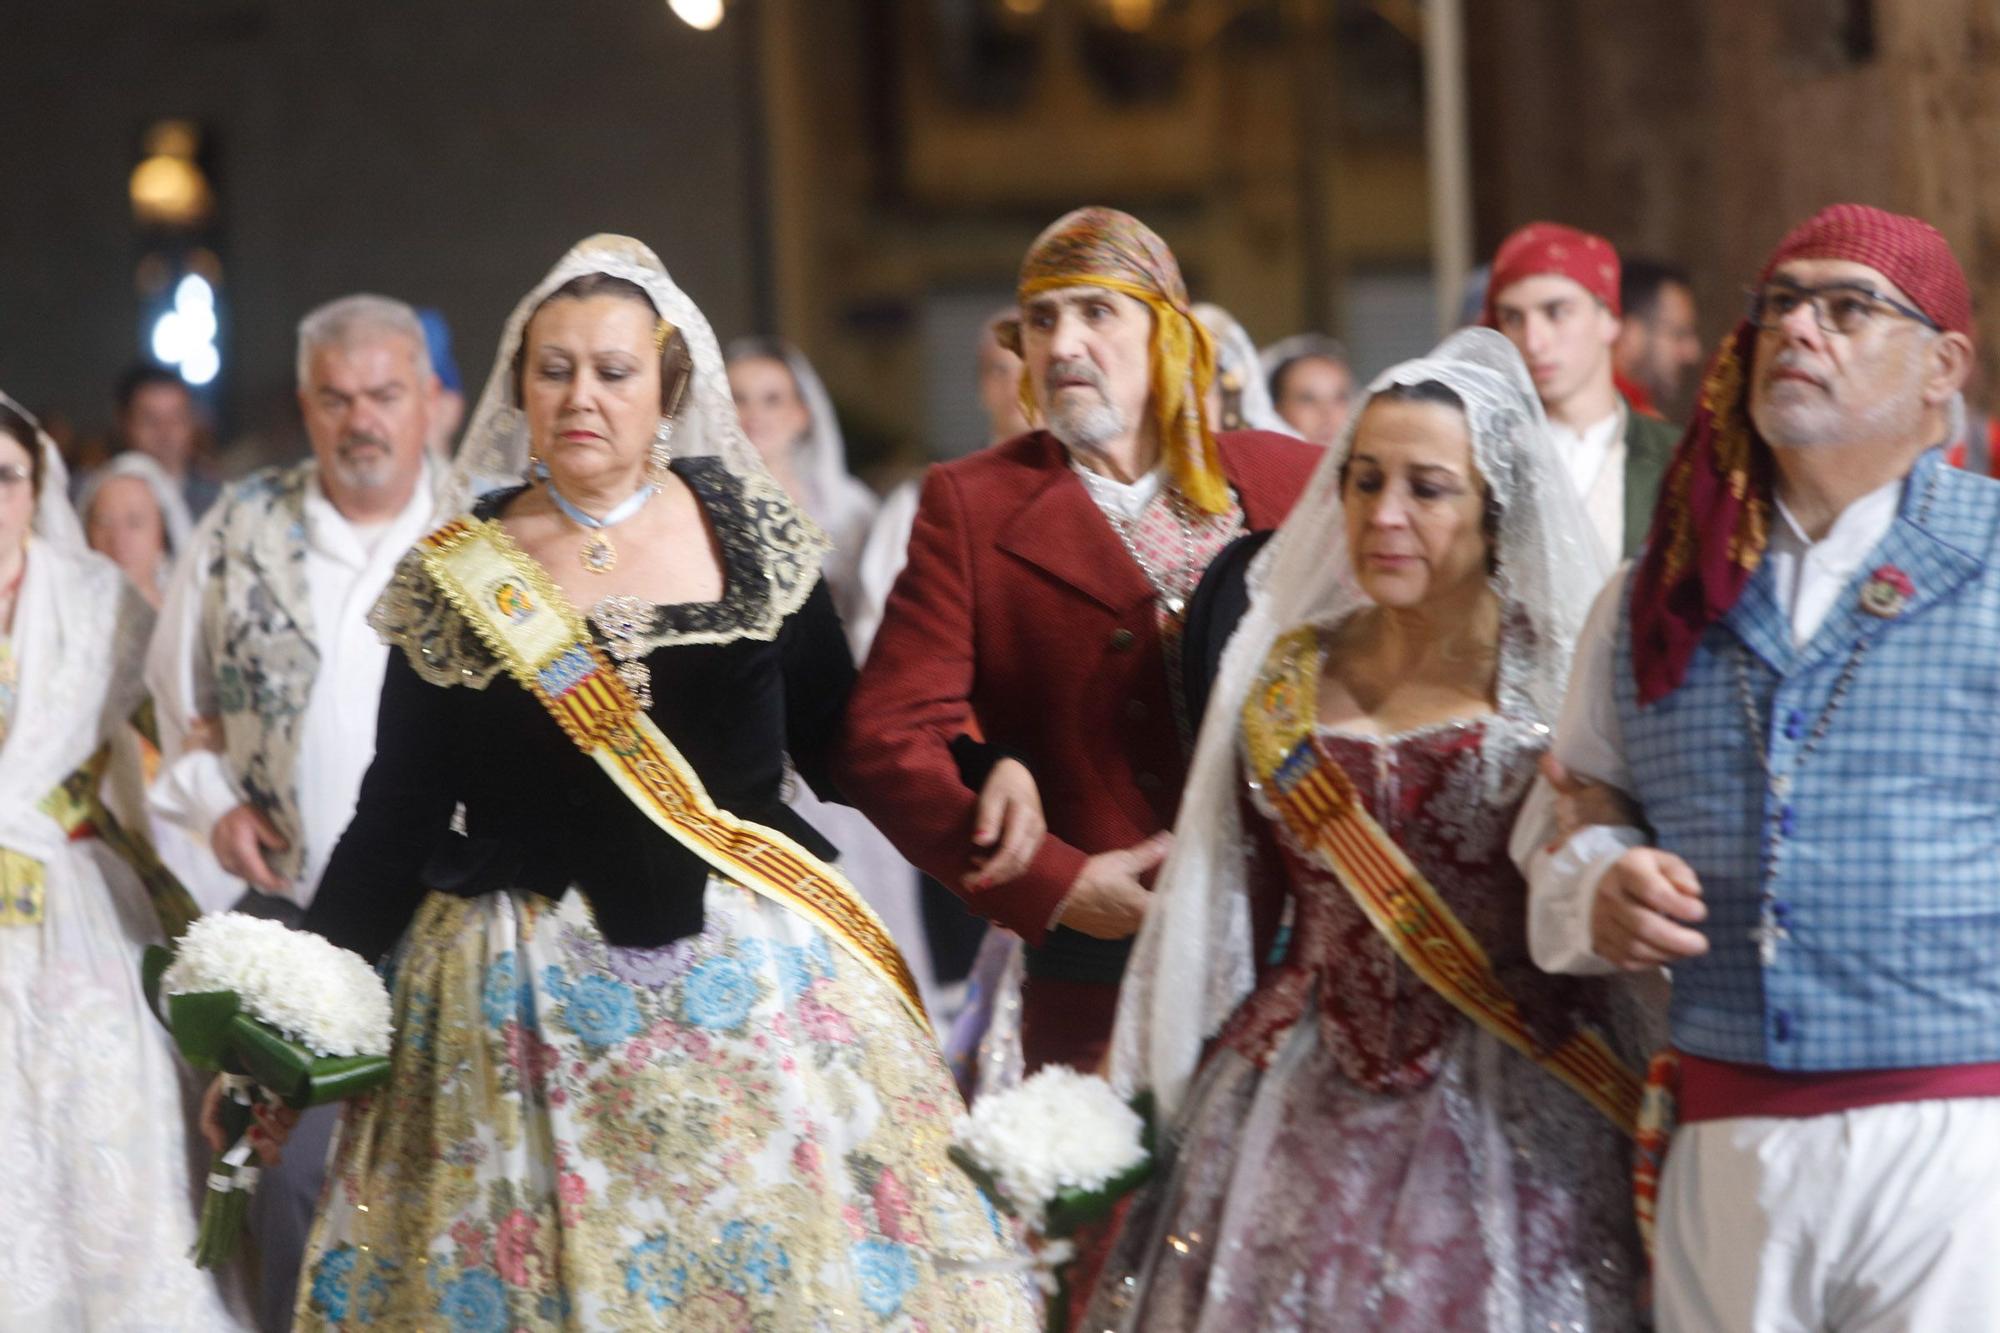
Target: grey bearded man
266, 674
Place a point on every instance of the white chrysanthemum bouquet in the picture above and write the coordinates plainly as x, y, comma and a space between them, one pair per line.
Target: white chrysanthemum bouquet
285, 1017
1058, 1151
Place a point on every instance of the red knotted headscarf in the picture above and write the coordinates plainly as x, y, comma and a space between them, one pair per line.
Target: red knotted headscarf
1714, 516
1551, 248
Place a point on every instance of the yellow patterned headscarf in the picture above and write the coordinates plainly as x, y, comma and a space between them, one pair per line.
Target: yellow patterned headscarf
1102, 247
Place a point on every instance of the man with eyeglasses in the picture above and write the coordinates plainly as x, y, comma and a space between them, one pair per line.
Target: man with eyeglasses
1795, 689
1554, 293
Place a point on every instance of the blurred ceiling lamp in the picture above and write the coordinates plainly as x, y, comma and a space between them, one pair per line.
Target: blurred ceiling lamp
184, 336
701, 15
1133, 15
168, 188
1025, 9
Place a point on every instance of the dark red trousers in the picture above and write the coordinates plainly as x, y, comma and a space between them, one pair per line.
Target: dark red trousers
1066, 1023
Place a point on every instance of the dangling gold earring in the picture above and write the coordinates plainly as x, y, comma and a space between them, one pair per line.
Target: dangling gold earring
660, 458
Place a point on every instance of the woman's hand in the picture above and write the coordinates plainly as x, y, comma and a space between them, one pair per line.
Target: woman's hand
1581, 803
1007, 826
273, 1122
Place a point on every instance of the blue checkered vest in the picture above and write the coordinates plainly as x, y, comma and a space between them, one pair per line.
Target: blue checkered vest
1879, 843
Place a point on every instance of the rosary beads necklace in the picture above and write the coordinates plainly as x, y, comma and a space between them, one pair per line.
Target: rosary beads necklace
1771, 930
599, 556
1162, 579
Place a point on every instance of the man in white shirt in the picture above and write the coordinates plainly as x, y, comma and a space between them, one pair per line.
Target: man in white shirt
266, 674
1795, 687
1554, 293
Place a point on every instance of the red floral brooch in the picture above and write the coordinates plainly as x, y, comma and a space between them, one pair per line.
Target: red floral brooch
1887, 592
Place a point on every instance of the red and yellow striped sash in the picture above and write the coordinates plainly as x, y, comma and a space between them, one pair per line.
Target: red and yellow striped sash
1315, 797
522, 617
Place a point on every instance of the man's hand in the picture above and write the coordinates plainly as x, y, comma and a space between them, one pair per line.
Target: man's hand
1007, 826
204, 733
1581, 803
1644, 907
239, 840
1107, 900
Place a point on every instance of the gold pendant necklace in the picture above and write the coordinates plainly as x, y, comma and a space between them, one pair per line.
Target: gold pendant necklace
599, 556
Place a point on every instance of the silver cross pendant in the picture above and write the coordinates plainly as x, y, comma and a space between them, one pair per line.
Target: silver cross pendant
1767, 935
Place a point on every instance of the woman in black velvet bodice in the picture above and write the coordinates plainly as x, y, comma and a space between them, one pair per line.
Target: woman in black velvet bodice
629, 1089
539, 813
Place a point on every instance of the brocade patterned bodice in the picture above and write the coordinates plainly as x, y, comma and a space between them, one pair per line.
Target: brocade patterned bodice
1447, 796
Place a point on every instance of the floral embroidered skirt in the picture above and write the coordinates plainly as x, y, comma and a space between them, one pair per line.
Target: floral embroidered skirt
1492, 1200
741, 1130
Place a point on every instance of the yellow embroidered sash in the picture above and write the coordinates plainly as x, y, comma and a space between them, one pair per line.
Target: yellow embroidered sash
1318, 802
23, 879
79, 810
523, 619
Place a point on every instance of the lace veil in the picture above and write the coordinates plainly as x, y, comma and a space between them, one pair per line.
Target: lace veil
55, 519
1236, 356
837, 500
494, 450
1192, 962
174, 518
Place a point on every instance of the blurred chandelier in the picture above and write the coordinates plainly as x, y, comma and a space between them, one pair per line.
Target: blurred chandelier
701, 15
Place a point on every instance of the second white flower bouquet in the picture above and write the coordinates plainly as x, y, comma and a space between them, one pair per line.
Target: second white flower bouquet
1058, 1151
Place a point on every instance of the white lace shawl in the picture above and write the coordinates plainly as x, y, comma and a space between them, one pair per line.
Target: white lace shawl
1192, 963
79, 636
494, 449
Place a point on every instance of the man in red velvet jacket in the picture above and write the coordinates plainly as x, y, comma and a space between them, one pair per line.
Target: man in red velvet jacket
1042, 606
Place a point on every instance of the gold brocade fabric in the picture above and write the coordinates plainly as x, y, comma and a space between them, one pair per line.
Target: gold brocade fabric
21, 877
738, 1131
22, 889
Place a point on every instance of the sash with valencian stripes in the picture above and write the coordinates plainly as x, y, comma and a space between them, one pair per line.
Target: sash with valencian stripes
523, 618
1317, 801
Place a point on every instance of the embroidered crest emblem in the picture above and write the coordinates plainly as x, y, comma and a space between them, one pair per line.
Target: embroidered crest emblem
1887, 592
513, 602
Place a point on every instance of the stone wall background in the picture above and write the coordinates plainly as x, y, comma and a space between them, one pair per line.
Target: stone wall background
1700, 130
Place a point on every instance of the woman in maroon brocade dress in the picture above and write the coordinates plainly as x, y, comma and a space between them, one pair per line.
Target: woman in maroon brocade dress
1352, 1151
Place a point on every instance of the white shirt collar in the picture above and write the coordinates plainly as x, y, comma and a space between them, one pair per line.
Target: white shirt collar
1807, 576
1124, 499
1857, 531
330, 533
1598, 435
